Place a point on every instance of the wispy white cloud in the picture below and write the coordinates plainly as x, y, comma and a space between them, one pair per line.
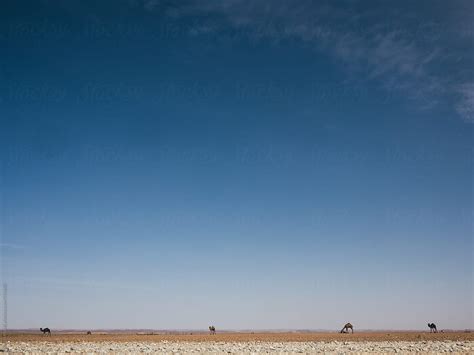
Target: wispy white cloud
465, 104
80, 283
389, 45
11, 246
150, 4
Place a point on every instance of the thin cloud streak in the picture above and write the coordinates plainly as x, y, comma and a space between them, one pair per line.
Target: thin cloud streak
11, 246
465, 105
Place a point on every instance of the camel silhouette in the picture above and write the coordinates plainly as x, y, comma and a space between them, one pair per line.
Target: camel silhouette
432, 327
89, 333
46, 331
212, 329
346, 328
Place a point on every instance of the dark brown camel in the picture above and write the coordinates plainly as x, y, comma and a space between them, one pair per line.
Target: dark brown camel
432, 327
212, 329
347, 327
46, 331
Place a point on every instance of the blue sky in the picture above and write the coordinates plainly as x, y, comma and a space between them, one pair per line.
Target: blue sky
252, 165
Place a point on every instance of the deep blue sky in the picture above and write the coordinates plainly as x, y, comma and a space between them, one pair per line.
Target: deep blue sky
248, 164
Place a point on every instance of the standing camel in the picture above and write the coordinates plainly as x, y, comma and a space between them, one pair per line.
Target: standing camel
347, 327
212, 329
432, 327
46, 331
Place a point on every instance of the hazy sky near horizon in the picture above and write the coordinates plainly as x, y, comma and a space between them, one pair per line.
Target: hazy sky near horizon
247, 164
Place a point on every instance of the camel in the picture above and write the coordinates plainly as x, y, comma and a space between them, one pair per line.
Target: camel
432, 327
212, 329
46, 331
89, 333
347, 327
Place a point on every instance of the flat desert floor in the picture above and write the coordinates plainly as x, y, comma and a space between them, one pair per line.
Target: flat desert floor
241, 337
236, 342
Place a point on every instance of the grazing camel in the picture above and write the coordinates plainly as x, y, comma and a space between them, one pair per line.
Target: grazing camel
89, 333
212, 329
46, 331
432, 327
347, 327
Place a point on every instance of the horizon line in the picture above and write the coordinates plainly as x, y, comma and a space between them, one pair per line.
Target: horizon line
230, 330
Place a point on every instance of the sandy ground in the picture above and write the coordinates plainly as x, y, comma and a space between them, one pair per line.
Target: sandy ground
242, 343
243, 337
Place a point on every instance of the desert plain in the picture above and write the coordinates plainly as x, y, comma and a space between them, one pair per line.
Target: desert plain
240, 342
